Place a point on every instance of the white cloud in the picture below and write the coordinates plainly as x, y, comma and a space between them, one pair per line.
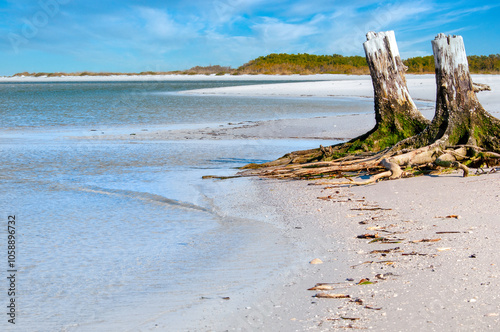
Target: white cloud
274, 30
158, 23
351, 23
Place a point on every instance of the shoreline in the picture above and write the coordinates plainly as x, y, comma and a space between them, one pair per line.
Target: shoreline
450, 289
197, 77
440, 274
422, 87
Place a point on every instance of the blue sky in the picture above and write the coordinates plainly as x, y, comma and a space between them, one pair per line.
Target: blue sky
134, 35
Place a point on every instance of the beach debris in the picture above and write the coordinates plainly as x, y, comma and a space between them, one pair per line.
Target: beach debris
226, 298
316, 261
357, 301
205, 177
413, 253
426, 240
372, 308
389, 232
322, 287
386, 240
365, 281
448, 232
331, 296
373, 262
451, 216
368, 236
366, 221
350, 318
349, 326
473, 256
492, 314
370, 209
384, 251
380, 276
443, 249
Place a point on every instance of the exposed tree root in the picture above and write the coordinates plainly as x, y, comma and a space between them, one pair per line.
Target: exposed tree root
461, 135
387, 164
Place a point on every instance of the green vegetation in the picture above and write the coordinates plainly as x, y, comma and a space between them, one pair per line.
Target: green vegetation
420, 65
478, 64
305, 64
484, 64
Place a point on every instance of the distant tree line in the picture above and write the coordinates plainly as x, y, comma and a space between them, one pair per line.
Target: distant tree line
478, 64
338, 64
306, 64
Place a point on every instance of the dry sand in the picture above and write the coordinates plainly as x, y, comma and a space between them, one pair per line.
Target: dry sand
447, 285
441, 275
421, 87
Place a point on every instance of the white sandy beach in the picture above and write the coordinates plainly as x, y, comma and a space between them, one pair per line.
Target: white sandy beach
447, 282
211, 77
421, 87
441, 275
337, 128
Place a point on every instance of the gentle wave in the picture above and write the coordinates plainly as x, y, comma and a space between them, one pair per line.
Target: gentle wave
147, 197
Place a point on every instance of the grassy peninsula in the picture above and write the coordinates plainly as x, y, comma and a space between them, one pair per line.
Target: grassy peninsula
302, 64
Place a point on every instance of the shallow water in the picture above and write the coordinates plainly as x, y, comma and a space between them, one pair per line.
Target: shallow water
112, 234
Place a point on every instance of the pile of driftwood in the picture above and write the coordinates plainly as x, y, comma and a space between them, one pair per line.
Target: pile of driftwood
461, 135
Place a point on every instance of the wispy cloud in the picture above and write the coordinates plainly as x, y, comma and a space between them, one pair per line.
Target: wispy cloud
159, 24
272, 30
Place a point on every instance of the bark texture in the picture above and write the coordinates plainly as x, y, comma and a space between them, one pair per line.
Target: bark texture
396, 115
461, 133
460, 119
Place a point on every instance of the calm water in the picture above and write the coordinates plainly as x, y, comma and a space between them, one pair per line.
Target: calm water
112, 234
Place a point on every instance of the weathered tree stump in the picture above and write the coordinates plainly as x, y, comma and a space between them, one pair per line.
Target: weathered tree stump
461, 133
460, 119
396, 115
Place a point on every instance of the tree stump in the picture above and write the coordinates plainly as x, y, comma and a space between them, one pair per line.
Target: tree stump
396, 115
459, 119
461, 133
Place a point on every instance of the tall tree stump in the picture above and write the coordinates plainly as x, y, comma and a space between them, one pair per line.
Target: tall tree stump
396, 115
461, 133
459, 119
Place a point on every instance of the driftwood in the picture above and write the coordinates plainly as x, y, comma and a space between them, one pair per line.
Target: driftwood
461, 133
